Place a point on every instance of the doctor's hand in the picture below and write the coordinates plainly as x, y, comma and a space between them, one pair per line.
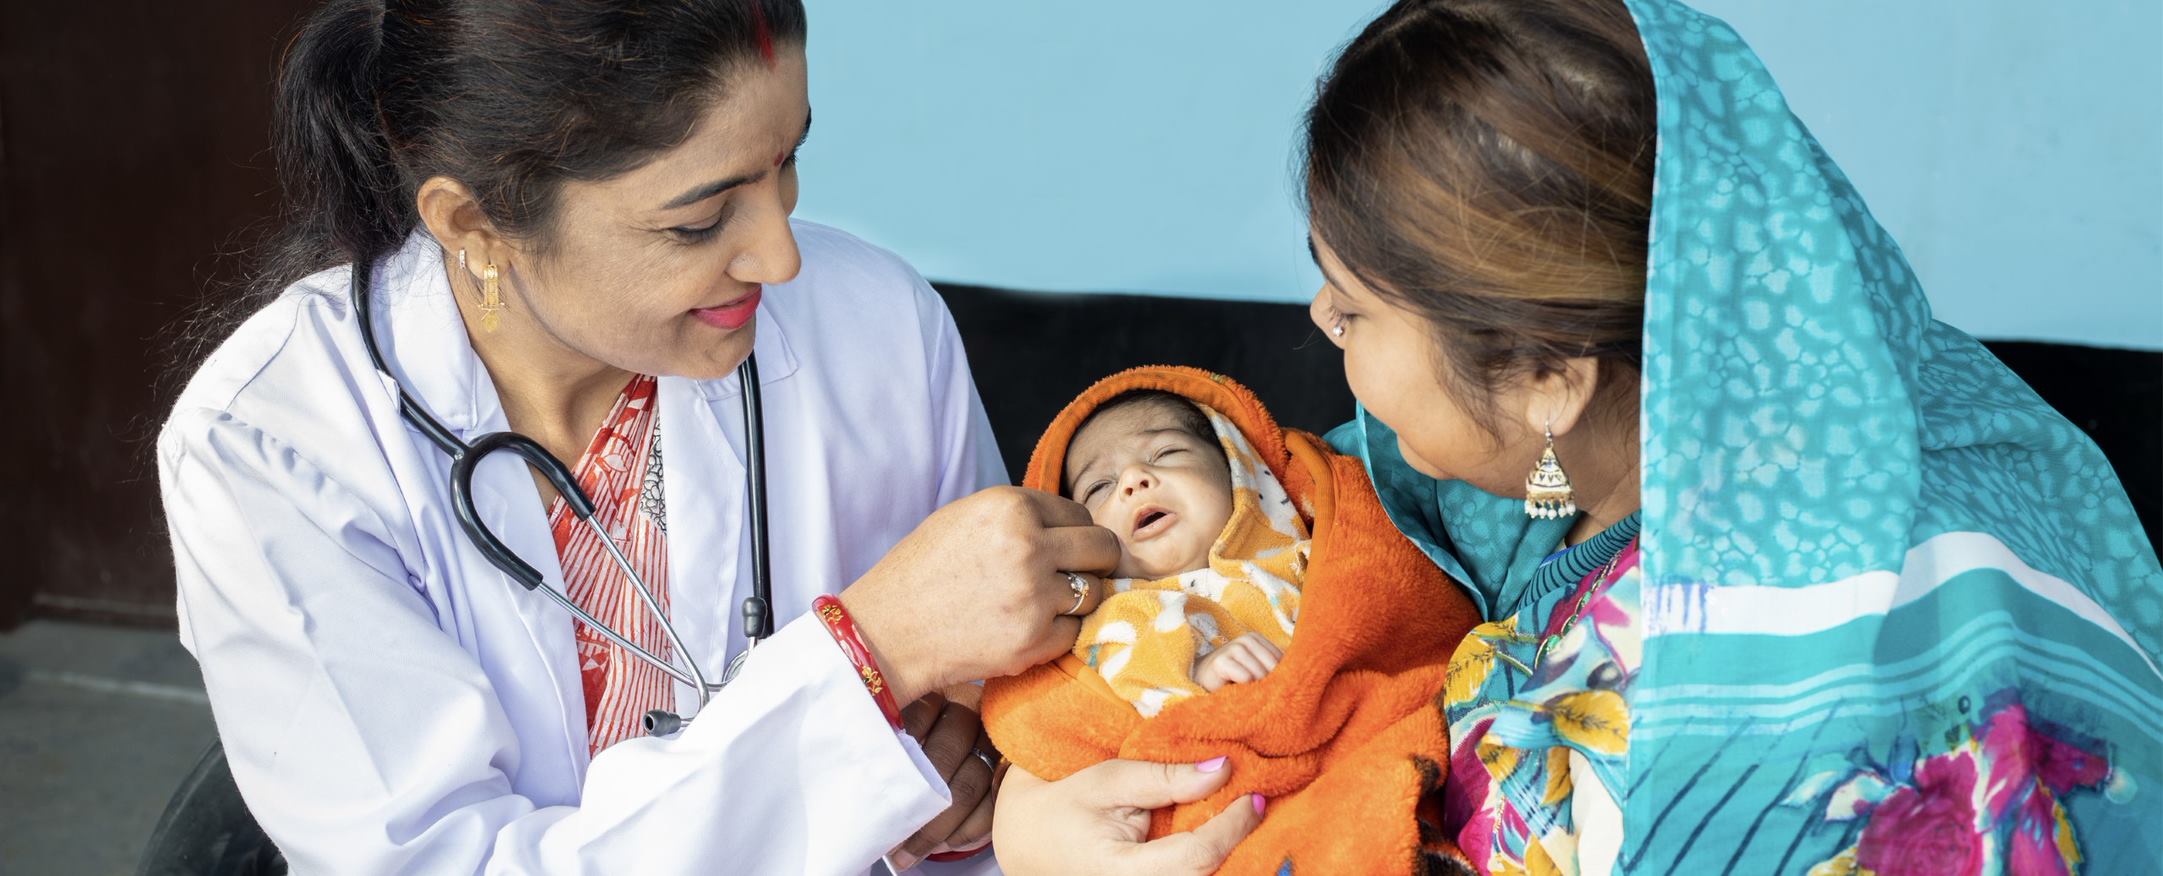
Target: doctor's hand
979, 590
947, 725
1094, 821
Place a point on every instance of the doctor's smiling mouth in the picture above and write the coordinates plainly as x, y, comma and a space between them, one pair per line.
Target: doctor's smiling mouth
732, 315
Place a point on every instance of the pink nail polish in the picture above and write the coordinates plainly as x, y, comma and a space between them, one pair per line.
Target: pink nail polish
1259, 804
1211, 765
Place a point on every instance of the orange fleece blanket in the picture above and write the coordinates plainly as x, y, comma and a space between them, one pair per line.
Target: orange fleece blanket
1345, 738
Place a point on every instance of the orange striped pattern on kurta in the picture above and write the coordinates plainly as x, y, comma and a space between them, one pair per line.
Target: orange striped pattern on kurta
621, 471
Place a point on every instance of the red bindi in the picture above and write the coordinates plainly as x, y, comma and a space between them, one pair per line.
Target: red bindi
763, 34
780, 158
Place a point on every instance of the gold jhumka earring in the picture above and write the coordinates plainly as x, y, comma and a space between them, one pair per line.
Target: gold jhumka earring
1547, 489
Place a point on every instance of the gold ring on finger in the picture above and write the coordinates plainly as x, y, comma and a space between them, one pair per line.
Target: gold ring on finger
1080, 586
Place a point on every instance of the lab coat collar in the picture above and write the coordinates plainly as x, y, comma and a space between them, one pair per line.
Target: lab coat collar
429, 353
424, 340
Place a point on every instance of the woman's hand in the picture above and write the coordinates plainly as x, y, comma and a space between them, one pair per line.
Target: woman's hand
947, 725
979, 591
1094, 821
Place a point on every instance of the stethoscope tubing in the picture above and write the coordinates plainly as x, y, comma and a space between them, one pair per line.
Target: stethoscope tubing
466, 458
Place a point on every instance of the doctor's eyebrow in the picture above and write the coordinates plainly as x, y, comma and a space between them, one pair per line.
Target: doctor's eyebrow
717, 187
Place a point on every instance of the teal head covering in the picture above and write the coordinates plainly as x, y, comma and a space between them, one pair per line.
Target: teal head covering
1887, 589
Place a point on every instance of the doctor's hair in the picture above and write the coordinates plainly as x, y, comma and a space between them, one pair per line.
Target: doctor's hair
511, 98
1487, 165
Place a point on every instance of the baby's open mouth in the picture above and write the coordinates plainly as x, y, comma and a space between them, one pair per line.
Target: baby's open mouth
1150, 522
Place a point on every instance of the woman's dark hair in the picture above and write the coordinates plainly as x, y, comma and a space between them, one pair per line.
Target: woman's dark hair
1487, 164
510, 97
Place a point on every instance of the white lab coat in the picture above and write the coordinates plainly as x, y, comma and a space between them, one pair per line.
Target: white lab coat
392, 703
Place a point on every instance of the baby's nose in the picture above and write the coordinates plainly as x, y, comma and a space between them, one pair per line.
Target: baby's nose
1137, 482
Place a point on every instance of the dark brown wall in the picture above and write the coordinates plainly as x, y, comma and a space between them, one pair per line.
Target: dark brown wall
132, 153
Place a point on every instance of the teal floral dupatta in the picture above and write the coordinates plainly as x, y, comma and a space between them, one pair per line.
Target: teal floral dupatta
1898, 616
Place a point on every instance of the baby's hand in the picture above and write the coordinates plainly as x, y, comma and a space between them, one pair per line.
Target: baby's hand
1241, 661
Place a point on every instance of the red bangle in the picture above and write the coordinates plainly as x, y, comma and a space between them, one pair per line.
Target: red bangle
843, 628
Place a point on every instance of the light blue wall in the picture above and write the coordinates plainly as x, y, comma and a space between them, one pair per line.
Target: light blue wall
2016, 151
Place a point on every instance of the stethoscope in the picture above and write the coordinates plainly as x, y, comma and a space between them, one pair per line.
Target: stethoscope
465, 457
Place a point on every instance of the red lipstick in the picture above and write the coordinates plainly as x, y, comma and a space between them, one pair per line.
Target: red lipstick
733, 315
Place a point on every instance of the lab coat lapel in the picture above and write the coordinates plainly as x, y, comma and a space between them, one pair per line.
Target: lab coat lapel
703, 486
431, 357
505, 499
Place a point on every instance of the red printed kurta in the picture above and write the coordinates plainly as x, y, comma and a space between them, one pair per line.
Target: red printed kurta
621, 471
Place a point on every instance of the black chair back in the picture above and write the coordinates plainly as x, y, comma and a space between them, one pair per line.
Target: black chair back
1032, 352
207, 829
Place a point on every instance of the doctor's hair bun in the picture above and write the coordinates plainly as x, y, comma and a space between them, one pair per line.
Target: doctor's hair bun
1487, 165
512, 98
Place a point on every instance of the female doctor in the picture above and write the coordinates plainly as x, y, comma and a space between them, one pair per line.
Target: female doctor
574, 218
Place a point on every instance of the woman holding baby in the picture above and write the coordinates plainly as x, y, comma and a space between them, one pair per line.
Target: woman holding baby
1776, 574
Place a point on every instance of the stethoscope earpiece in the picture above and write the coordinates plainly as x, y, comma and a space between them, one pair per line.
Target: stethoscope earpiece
662, 722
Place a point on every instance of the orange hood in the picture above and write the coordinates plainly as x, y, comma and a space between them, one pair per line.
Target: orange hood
1344, 738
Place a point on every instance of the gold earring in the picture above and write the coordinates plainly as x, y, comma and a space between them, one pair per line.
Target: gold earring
491, 298
1547, 488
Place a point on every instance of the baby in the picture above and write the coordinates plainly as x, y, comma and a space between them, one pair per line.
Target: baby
1232, 531
1211, 551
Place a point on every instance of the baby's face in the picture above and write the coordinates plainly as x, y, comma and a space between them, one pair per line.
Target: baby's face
1164, 491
